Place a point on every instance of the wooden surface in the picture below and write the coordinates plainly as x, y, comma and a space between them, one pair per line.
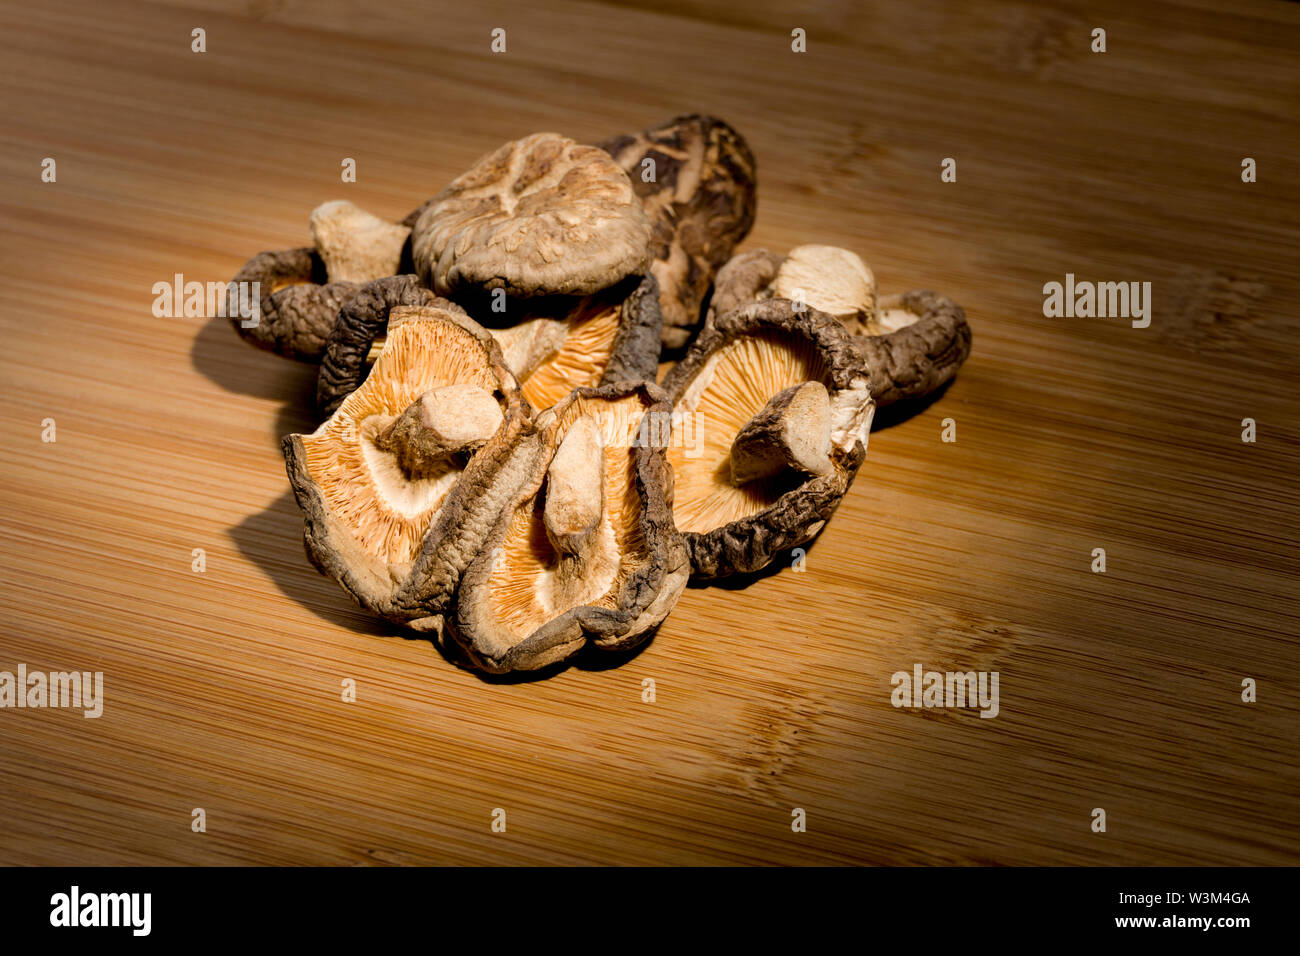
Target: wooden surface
1118, 690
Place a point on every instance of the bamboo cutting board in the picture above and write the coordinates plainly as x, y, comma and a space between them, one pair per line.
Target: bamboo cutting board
1119, 690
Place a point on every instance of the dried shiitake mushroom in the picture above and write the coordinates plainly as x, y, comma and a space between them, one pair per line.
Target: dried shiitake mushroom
913, 343
302, 290
297, 304
401, 484
585, 551
360, 322
518, 490
780, 402
541, 215
699, 190
606, 338
922, 341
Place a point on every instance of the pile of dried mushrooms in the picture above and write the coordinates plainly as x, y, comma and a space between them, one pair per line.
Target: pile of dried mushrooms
497, 465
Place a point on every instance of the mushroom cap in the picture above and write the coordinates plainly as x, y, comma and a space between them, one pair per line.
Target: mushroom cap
726, 380
396, 542
548, 580
541, 215
924, 340
701, 202
302, 290
297, 304
913, 343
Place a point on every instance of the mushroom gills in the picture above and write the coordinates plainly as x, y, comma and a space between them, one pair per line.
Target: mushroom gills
387, 500
526, 345
534, 580
552, 357
913, 343
580, 359
736, 385
587, 553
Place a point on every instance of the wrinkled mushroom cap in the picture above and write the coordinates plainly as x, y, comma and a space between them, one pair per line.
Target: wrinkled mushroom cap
923, 340
302, 290
541, 215
586, 552
741, 376
696, 179
297, 304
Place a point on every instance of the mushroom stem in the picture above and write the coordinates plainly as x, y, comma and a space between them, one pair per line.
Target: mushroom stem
440, 424
575, 488
793, 430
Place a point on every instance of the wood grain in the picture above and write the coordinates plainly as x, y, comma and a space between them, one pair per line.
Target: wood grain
1118, 690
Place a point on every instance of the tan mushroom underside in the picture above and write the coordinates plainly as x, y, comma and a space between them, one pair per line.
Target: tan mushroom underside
363, 486
579, 361
734, 386
532, 582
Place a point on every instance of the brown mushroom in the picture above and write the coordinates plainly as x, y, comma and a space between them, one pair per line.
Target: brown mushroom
701, 202
361, 322
774, 456
913, 343
541, 215
923, 340
586, 551
302, 290
296, 305
401, 484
